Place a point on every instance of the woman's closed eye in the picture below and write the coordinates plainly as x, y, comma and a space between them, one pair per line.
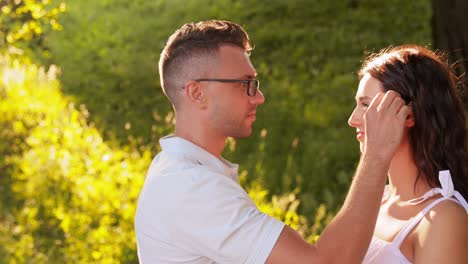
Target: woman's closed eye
363, 104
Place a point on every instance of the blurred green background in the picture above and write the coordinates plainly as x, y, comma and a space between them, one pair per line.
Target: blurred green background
81, 112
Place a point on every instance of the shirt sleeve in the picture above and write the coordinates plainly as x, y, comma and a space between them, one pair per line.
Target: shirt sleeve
218, 220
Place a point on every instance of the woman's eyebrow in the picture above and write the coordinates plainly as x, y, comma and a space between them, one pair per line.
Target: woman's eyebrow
363, 98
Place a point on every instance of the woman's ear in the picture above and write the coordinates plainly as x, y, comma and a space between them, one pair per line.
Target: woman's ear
195, 93
410, 118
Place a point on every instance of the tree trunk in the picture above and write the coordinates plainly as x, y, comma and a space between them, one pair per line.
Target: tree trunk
450, 34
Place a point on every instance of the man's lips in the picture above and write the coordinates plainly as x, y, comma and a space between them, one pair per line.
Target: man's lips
252, 115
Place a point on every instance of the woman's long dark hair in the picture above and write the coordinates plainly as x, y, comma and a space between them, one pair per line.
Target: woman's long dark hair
438, 138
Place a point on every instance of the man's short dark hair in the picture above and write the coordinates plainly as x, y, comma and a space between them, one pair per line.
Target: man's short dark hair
192, 43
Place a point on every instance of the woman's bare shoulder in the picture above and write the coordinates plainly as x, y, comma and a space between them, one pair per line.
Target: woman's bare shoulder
446, 215
444, 227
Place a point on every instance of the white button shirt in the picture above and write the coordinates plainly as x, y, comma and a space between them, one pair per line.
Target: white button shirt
192, 209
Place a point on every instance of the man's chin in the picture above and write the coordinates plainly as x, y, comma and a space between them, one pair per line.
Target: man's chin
242, 134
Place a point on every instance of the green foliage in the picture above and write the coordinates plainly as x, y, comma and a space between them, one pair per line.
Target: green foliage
285, 207
307, 55
68, 191
66, 195
23, 24
72, 193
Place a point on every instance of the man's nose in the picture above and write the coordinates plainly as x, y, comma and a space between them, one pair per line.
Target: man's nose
258, 98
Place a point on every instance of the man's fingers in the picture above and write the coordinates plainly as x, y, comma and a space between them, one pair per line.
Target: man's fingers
384, 121
404, 112
376, 101
388, 99
396, 105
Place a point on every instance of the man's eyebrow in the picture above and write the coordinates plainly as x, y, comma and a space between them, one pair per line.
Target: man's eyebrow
250, 76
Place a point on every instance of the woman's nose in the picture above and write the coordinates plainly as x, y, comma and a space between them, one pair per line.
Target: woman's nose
354, 120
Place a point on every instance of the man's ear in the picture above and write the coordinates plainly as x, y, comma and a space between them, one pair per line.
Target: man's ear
195, 93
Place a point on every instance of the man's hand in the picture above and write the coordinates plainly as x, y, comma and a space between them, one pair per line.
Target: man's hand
383, 123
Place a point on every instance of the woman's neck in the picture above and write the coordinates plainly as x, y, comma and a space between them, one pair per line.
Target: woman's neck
402, 176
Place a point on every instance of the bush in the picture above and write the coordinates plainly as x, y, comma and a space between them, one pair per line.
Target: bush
24, 23
66, 195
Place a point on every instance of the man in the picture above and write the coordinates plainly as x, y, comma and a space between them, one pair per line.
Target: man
192, 209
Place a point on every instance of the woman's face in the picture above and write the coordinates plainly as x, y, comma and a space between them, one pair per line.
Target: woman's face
368, 88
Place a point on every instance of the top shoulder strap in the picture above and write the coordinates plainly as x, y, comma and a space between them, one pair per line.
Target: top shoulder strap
413, 222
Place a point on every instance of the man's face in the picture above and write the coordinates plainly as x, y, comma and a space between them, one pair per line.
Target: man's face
231, 112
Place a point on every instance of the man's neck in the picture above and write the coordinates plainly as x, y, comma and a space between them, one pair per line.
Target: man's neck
200, 135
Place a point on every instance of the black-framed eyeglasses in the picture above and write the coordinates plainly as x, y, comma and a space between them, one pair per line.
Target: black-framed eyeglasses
251, 85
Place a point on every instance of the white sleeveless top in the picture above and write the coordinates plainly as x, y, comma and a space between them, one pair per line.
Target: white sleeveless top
384, 252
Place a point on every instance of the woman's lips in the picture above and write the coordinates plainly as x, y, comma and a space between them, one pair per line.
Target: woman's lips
360, 136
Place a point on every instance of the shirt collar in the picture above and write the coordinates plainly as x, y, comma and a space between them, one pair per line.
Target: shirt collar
184, 148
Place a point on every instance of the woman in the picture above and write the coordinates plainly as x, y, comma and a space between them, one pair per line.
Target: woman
423, 216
